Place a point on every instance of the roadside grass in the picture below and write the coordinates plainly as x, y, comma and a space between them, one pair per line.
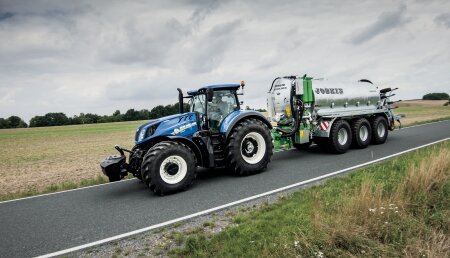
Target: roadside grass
400, 207
49, 159
56, 188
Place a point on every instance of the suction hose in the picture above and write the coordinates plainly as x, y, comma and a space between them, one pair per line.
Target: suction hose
271, 87
297, 113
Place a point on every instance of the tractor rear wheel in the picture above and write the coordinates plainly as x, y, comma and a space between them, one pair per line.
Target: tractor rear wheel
249, 148
168, 167
340, 137
379, 130
362, 133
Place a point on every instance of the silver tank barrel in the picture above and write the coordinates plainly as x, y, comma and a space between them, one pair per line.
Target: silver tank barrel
350, 98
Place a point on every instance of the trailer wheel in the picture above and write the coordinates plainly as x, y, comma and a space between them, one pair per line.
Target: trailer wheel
362, 133
340, 137
168, 167
379, 130
249, 147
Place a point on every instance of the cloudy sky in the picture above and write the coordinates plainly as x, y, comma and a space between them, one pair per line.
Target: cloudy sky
99, 56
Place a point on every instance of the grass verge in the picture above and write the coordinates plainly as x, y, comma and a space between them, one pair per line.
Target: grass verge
397, 208
58, 187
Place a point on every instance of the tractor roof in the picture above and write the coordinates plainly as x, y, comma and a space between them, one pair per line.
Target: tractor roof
215, 87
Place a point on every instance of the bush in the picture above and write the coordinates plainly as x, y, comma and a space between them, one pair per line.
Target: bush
436, 96
12, 122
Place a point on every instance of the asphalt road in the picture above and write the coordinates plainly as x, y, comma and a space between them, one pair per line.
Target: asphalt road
46, 224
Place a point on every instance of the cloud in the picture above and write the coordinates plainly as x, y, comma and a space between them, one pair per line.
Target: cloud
386, 21
443, 20
210, 49
5, 16
200, 14
136, 42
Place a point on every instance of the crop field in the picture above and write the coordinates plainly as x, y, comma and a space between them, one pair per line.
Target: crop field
38, 160
418, 111
35, 159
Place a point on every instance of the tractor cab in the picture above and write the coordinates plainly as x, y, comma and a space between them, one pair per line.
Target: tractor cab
214, 103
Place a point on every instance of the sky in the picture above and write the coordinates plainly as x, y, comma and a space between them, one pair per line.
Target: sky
99, 56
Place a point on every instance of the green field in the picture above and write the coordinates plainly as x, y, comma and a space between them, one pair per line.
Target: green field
55, 158
418, 111
38, 160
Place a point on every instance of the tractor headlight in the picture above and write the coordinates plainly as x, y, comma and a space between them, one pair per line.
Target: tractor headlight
146, 132
141, 135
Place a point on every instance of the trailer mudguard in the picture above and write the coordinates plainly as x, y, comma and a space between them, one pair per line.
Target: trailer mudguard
234, 117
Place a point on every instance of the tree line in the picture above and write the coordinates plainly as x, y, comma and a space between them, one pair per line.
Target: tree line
12, 122
436, 96
59, 118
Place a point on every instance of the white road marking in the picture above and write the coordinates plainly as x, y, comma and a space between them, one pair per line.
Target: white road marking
65, 191
109, 239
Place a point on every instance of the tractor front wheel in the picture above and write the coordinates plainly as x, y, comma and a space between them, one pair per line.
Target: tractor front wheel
249, 147
168, 167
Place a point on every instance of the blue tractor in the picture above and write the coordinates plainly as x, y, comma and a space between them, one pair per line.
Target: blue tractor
214, 133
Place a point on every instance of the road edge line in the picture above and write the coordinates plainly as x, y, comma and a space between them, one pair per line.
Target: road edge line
65, 191
193, 215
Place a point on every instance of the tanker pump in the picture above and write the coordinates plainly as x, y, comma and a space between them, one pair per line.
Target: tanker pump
336, 116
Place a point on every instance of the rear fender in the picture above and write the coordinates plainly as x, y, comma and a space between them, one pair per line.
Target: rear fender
323, 127
235, 117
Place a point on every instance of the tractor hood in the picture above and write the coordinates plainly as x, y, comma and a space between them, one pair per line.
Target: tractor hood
184, 125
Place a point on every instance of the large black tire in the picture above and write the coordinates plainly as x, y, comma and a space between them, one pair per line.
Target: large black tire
361, 133
169, 167
379, 130
340, 137
249, 147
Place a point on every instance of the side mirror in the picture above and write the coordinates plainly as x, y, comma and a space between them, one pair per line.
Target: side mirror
209, 94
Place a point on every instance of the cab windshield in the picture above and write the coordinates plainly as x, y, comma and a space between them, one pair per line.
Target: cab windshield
223, 103
197, 103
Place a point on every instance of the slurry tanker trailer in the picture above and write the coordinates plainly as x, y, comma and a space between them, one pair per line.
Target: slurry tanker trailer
215, 132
